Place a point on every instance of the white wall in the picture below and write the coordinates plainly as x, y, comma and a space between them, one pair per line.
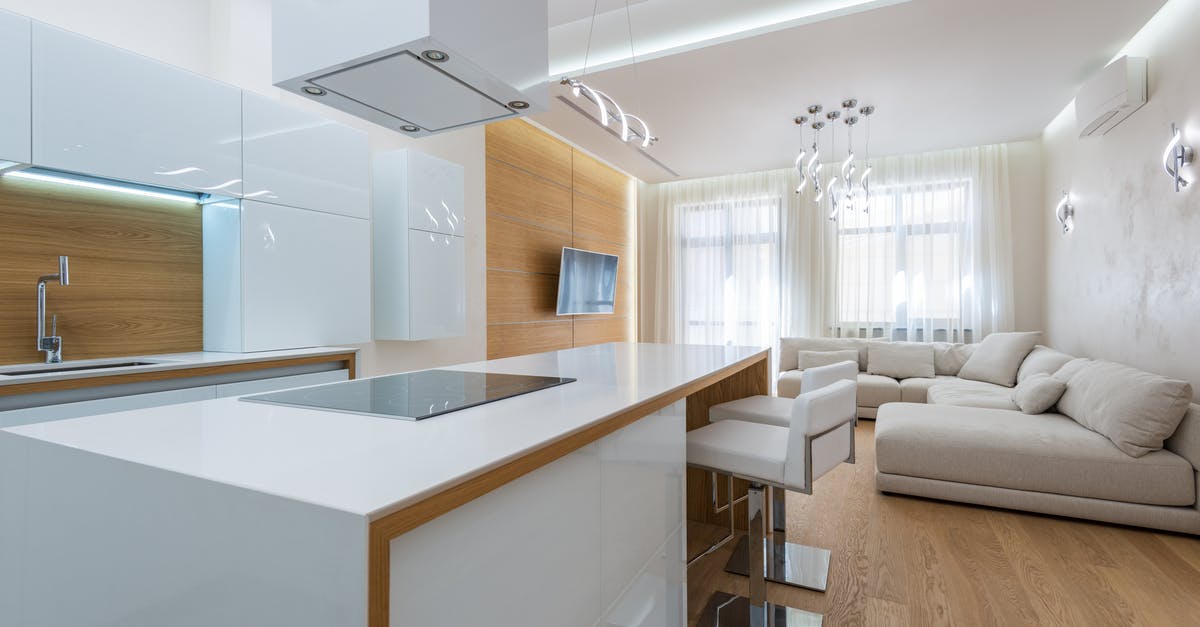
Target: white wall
230, 40
1123, 286
1028, 234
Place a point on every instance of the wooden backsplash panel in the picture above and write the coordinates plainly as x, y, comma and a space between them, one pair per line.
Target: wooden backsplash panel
136, 272
543, 195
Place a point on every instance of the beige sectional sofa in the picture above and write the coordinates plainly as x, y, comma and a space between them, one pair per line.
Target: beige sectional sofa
1101, 452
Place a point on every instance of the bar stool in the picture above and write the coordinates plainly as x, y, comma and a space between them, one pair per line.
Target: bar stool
820, 436
788, 563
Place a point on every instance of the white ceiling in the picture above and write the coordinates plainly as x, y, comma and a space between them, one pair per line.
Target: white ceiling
942, 73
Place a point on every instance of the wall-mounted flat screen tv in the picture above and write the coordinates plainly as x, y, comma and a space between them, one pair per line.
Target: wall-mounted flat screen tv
587, 282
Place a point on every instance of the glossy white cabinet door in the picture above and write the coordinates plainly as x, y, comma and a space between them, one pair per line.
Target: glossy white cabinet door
437, 285
435, 194
299, 159
242, 388
107, 112
14, 87
306, 278
63, 411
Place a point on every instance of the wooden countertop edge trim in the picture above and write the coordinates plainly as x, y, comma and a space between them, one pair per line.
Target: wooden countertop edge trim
348, 358
382, 530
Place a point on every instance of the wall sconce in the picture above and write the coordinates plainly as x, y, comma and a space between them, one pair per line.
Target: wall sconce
1175, 157
1064, 212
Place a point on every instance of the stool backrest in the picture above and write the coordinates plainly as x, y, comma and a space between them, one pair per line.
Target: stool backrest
821, 376
821, 434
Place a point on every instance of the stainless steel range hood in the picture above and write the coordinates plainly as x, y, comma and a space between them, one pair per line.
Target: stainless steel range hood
417, 66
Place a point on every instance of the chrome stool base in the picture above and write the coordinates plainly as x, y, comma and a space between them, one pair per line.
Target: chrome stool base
727, 610
787, 563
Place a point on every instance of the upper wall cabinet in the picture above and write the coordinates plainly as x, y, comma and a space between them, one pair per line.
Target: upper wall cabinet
294, 158
107, 112
420, 191
278, 277
14, 93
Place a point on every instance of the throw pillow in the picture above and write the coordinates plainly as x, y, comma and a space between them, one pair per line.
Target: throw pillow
1038, 393
949, 358
900, 360
1044, 360
1069, 369
998, 357
816, 359
1135, 409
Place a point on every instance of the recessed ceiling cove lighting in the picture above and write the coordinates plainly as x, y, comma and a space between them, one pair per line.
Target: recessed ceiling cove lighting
437, 56
313, 91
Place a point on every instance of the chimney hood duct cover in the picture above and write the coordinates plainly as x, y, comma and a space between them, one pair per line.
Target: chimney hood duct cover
364, 57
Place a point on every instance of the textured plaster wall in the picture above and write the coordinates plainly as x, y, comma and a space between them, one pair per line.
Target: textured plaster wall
1125, 285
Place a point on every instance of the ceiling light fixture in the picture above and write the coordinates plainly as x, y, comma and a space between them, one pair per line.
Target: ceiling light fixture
1176, 156
603, 101
518, 104
410, 128
841, 187
313, 91
437, 56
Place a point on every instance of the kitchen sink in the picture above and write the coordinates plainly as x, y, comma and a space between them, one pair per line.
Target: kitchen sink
72, 367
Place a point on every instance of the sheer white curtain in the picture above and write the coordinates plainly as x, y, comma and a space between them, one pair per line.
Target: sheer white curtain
734, 259
930, 260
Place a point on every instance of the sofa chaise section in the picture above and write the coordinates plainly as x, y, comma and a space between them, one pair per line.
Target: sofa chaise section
1046, 463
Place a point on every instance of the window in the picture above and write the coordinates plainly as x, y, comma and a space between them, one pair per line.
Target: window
903, 266
729, 271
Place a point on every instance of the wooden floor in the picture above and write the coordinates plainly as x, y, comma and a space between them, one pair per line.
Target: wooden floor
906, 561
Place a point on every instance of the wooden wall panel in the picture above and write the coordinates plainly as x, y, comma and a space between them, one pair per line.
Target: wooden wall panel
599, 220
135, 268
523, 247
524, 146
593, 178
517, 194
521, 297
506, 340
543, 195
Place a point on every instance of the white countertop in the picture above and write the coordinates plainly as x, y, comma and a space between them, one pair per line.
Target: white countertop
173, 361
371, 466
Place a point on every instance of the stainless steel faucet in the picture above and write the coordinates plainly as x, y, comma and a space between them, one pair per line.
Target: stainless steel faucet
52, 344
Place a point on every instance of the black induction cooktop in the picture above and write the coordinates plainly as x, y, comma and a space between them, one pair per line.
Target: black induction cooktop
412, 395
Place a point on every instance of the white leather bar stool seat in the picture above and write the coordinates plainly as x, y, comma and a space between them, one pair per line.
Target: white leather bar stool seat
775, 410
819, 436
793, 564
745, 449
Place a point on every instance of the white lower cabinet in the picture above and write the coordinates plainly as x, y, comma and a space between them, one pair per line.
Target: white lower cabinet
278, 277
15, 93
242, 388
14, 417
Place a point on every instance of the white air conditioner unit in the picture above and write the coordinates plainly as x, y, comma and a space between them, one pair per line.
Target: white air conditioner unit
1111, 96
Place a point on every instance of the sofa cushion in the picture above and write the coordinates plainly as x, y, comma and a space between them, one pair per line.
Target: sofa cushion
949, 358
789, 383
916, 390
998, 357
1135, 409
900, 360
1069, 369
816, 359
1043, 360
965, 393
789, 347
875, 390
1038, 393
1041, 453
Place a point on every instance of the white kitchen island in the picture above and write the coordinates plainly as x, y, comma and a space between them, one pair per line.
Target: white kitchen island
562, 507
